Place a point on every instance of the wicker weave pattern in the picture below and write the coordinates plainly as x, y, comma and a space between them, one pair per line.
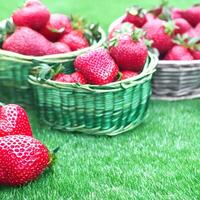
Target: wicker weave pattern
14, 70
97, 110
177, 80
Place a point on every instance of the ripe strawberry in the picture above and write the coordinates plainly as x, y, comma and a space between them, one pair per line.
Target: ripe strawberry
182, 26
123, 28
32, 3
197, 29
28, 42
192, 33
192, 15
160, 32
136, 16
75, 40
62, 48
57, 25
195, 54
14, 121
22, 159
128, 74
176, 13
97, 66
178, 53
34, 15
130, 52
76, 77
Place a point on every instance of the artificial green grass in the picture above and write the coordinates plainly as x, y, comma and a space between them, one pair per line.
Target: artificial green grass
158, 160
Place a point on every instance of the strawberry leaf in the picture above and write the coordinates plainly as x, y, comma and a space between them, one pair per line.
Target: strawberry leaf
61, 30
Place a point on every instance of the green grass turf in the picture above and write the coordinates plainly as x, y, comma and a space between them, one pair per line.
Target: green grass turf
158, 160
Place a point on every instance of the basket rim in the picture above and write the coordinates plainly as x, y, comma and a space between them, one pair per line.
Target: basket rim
160, 62
146, 74
55, 56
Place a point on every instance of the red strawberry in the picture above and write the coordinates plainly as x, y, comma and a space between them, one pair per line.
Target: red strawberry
34, 16
197, 29
97, 66
195, 54
57, 25
150, 17
32, 3
28, 42
22, 159
192, 33
14, 121
123, 28
178, 53
136, 16
76, 77
75, 40
176, 13
130, 53
62, 48
128, 74
192, 15
160, 32
182, 26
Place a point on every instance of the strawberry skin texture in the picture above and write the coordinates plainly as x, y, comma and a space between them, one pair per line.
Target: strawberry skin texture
192, 15
28, 42
155, 31
128, 74
76, 77
22, 159
123, 28
182, 26
176, 13
57, 25
129, 54
62, 48
178, 53
14, 121
34, 16
75, 40
97, 66
195, 54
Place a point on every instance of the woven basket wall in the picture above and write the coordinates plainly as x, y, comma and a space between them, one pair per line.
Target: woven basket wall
98, 110
14, 70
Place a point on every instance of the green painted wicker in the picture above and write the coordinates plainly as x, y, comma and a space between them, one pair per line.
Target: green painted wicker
14, 70
98, 110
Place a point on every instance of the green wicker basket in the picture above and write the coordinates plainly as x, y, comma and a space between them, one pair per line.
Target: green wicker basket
14, 70
98, 110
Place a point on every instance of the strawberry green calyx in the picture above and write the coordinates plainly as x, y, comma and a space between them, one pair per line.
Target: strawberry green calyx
91, 32
169, 27
138, 34
113, 42
52, 156
1, 104
137, 11
46, 72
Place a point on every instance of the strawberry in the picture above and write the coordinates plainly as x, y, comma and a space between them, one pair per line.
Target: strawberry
176, 13
32, 3
14, 121
76, 77
62, 48
34, 15
57, 25
178, 53
136, 16
128, 74
130, 52
161, 33
123, 28
75, 40
22, 159
28, 42
195, 54
97, 66
182, 26
192, 33
197, 29
192, 15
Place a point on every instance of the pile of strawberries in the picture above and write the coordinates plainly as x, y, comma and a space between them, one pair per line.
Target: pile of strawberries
39, 32
121, 60
174, 32
22, 157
